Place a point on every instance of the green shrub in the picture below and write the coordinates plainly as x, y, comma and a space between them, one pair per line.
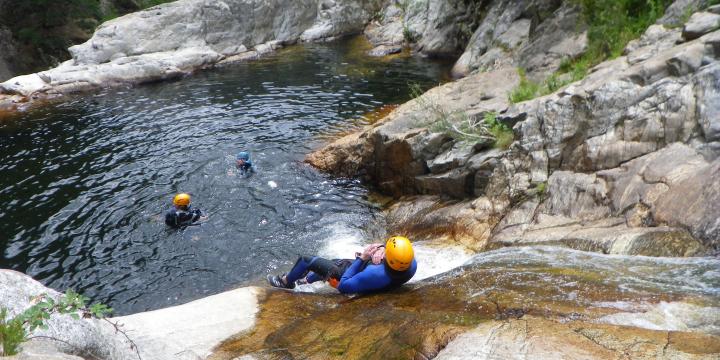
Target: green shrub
460, 126
502, 133
611, 25
12, 334
29, 36
144, 4
15, 331
526, 90
541, 189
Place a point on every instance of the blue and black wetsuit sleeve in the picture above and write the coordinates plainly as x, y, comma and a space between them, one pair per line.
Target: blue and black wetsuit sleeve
359, 280
196, 214
171, 218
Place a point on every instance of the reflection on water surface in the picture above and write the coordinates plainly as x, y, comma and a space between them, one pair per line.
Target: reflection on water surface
85, 182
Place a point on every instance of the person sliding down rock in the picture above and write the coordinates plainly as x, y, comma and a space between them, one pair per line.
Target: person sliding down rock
243, 163
373, 270
181, 215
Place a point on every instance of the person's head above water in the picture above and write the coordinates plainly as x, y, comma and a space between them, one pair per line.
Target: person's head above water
243, 155
181, 200
399, 253
242, 158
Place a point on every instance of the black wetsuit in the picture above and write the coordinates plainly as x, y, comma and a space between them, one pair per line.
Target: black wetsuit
178, 218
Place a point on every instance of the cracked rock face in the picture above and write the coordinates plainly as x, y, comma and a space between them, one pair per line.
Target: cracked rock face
535, 35
624, 161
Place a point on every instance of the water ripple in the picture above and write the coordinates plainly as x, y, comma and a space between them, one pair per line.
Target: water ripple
86, 182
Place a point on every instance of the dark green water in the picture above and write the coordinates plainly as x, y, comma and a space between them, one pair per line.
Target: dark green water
85, 182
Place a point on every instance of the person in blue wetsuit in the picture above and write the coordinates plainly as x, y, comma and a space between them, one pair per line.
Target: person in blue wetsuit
243, 163
366, 274
181, 214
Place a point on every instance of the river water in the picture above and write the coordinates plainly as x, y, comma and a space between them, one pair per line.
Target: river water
85, 182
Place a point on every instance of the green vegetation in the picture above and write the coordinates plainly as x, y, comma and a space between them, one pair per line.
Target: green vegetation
611, 25
12, 334
502, 133
461, 126
14, 331
144, 4
541, 189
528, 89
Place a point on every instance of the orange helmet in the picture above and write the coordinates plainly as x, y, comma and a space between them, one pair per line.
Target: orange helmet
399, 253
181, 199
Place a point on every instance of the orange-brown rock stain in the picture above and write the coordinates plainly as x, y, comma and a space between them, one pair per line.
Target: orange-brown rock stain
418, 321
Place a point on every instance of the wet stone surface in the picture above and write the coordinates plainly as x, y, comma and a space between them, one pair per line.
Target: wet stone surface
418, 321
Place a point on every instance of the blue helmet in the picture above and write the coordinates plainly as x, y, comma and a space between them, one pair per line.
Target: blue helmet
243, 155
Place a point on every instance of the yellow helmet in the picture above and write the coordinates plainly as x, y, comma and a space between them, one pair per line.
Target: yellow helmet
181, 199
399, 253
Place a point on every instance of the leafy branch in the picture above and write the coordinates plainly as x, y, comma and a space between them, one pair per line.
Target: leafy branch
16, 330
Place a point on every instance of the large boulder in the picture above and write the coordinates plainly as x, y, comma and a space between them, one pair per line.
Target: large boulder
87, 338
536, 35
432, 27
700, 24
184, 332
172, 39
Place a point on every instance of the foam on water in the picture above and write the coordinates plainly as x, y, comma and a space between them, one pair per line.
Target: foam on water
433, 260
670, 316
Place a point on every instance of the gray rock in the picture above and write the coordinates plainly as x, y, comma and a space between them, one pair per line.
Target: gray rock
394, 153
334, 18
606, 236
504, 37
655, 39
440, 25
171, 39
561, 36
708, 97
384, 50
677, 11
436, 28
8, 52
85, 337
183, 332
388, 30
516, 35
577, 196
617, 150
453, 158
483, 165
456, 183
700, 24
694, 203
469, 223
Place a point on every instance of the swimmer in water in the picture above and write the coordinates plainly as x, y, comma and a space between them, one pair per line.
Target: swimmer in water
181, 214
243, 163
